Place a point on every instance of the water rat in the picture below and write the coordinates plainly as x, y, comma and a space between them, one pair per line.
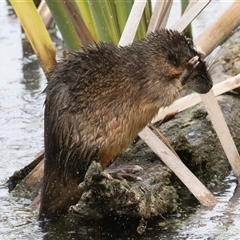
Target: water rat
100, 97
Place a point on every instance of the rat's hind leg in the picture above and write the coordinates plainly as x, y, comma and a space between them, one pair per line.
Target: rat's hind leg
126, 172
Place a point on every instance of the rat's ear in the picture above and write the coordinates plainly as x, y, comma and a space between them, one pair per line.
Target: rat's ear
173, 58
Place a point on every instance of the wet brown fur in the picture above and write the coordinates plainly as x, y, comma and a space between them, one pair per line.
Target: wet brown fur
100, 97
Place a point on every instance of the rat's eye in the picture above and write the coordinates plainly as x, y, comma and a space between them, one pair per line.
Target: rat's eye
189, 41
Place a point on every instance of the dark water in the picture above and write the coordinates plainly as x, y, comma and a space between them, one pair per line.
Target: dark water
21, 121
21, 138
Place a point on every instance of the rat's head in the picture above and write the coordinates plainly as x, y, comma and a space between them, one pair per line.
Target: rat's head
199, 79
179, 51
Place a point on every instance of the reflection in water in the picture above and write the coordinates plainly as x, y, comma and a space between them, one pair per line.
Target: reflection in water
32, 74
222, 222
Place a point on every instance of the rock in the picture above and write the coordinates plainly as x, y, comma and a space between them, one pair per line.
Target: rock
193, 138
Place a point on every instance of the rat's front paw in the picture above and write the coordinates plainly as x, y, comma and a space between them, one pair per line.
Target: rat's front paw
192, 64
190, 67
199, 51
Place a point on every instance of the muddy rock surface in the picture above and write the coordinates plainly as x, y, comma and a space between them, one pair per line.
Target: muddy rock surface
193, 138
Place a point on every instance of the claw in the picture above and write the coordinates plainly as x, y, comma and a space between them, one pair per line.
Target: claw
192, 64
194, 61
190, 67
199, 51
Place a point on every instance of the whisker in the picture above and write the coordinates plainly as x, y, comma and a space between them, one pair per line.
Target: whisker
213, 59
187, 85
